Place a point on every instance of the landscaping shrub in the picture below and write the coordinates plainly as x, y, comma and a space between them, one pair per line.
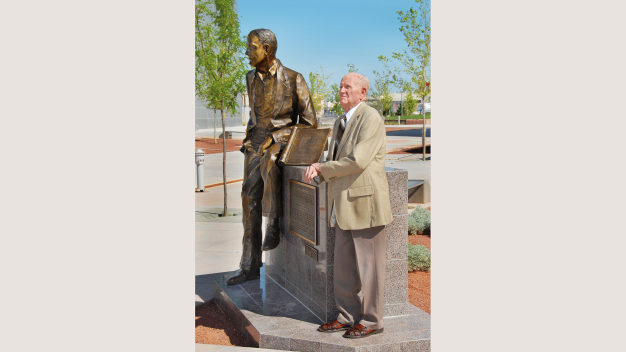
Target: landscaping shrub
419, 258
419, 220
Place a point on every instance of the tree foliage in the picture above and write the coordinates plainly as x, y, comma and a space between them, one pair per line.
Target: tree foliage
410, 103
220, 69
220, 66
334, 98
351, 68
319, 89
382, 86
416, 58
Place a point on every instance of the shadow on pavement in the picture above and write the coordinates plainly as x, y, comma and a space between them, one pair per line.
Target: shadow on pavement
409, 133
204, 284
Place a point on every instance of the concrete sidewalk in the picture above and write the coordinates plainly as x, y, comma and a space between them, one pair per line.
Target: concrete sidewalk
218, 242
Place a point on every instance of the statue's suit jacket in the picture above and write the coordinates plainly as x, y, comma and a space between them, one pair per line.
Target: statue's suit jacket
292, 100
357, 181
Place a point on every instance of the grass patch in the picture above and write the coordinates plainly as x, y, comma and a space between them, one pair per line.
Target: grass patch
411, 117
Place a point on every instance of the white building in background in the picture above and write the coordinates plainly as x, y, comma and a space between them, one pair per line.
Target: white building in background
397, 102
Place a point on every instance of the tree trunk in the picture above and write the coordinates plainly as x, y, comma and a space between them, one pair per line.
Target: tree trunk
423, 130
224, 161
401, 109
214, 126
424, 117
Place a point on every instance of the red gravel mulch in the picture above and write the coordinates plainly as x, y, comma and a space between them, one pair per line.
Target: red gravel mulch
391, 129
213, 327
209, 146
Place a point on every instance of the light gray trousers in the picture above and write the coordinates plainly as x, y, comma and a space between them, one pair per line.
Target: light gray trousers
360, 264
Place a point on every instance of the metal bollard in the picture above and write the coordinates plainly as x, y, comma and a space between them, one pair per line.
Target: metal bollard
200, 170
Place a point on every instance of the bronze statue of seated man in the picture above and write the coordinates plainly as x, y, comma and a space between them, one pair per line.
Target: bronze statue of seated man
279, 100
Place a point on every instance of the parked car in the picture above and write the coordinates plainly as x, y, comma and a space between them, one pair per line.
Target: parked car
419, 107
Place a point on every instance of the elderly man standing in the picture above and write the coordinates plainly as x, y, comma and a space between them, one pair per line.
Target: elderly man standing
359, 198
280, 99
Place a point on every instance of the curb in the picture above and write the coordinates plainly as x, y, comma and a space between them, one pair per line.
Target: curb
221, 183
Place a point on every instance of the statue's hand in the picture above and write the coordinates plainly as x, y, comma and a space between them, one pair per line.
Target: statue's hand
264, 146
248, 146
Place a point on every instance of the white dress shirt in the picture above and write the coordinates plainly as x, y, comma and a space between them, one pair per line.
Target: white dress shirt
351, 112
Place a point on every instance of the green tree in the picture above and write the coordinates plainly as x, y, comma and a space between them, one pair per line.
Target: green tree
416, 58
220, 69
410, 103
319, 90
206, 64
334, 98
382, 87
351, 68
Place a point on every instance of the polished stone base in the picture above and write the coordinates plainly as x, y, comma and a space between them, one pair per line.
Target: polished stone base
270, 317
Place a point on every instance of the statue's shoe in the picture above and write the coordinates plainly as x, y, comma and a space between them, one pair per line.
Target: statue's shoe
272, 238
243, 276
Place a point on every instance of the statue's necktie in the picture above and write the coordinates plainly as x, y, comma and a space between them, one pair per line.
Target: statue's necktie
340, 130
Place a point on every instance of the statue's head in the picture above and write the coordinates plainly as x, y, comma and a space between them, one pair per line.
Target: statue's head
261, 46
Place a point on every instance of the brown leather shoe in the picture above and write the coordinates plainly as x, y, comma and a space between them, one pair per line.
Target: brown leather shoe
333, 327
358, 331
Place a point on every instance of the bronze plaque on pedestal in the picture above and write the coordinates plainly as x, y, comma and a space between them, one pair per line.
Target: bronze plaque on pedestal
303, 211
305, 146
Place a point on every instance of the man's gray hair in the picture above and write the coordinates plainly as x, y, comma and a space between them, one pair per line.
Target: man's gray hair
266, 37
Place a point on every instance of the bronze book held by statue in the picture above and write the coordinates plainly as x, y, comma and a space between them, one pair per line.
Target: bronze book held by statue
305, 146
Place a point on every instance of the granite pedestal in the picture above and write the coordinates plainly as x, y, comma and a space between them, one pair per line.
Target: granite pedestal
310, 281
295, 293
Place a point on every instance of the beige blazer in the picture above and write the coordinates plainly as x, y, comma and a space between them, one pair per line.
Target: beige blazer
357, 182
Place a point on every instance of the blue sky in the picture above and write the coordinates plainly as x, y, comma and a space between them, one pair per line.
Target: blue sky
329, 34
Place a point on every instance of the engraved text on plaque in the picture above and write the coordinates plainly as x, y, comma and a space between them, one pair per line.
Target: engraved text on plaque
303, 211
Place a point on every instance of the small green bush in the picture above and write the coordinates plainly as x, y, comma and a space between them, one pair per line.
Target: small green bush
419, 258
419, 220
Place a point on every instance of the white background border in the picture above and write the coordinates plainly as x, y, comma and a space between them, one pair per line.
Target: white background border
528, 183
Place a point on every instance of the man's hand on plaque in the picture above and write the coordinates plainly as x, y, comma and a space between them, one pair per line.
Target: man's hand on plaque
312, 172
